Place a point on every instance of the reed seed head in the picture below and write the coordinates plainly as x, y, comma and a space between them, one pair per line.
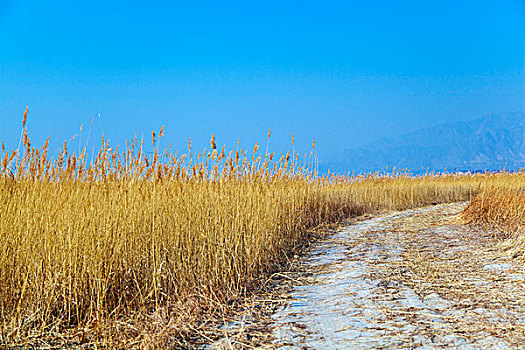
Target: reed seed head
25, 117
212, 142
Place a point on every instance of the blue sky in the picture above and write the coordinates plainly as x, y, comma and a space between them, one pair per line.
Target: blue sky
341, 72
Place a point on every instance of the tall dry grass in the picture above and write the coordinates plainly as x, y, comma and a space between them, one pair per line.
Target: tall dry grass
117, 248
89, 244
402, 190
503, 210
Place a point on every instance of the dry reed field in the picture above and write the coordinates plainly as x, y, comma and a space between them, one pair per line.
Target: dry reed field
501, 209
136, 250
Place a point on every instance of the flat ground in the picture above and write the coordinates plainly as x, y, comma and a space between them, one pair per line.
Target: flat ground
407, 280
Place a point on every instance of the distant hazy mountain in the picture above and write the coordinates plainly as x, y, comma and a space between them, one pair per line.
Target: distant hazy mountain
486, 143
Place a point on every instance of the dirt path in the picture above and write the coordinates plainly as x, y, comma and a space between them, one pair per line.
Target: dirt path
409, 280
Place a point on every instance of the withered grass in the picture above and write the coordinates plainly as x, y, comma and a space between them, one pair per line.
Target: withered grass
503, 210
463, 265
136, 250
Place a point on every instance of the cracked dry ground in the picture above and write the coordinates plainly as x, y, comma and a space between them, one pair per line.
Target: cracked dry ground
411, 280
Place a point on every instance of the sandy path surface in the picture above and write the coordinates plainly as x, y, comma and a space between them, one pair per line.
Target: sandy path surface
410, 280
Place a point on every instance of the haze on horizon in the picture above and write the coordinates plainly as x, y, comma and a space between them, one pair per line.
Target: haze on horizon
342, 73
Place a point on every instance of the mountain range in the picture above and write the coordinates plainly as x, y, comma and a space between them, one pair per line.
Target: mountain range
488, 143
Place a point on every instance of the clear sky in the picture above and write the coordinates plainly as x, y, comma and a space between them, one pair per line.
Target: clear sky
342, 72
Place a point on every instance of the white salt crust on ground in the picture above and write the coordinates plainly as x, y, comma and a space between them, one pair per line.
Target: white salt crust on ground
409, 280
343, 308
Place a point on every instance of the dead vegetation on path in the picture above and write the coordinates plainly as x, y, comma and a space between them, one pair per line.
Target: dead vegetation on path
484, 290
